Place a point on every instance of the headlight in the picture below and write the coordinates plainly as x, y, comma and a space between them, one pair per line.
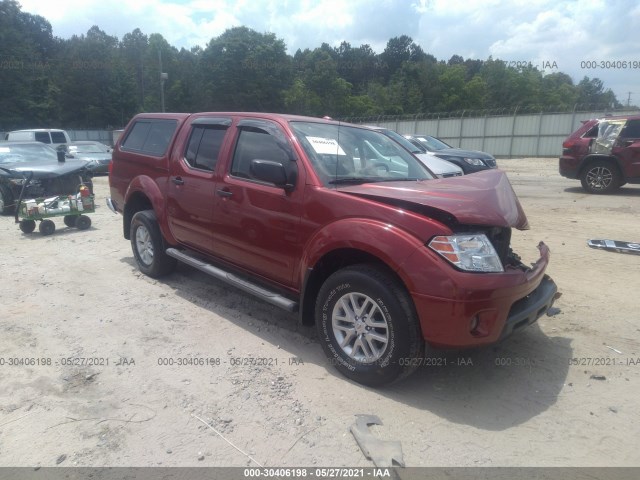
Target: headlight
473, 253
474, 161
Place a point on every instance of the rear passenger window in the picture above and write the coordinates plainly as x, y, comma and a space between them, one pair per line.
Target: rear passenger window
592, 132
43, 137
58, 137
204, 146
150, 136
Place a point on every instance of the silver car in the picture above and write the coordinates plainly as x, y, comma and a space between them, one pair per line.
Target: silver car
441, 168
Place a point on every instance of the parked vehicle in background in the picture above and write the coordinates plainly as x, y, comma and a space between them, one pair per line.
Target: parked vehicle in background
576, 146
96, 154
303, 214
603, 154
470, 161
441, 168
50, 136
50, 175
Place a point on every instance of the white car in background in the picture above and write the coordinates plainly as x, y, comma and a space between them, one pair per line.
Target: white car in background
441, 168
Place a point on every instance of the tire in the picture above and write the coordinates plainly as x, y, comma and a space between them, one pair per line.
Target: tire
601, 176
27, 226
6, 201
148, 245
70, 220
47, 227
394, 343
82, 222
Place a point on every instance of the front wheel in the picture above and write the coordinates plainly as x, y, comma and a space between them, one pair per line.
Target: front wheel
601, 176
148, 246
367, 325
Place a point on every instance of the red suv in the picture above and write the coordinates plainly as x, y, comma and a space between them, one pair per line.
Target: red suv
603, 153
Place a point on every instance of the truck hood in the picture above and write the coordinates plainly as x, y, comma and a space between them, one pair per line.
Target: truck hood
484, 198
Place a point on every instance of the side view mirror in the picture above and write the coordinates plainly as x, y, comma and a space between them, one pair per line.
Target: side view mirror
61, 155
271, 172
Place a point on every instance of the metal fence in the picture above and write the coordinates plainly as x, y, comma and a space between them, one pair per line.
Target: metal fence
102, 136
503, 134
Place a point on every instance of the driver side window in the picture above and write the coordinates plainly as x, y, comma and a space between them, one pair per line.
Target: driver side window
257, 144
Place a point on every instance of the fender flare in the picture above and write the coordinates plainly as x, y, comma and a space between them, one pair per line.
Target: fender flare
150, 189
392, 245
599, 156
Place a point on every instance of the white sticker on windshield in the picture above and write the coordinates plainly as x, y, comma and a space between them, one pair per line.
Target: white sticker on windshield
325, 146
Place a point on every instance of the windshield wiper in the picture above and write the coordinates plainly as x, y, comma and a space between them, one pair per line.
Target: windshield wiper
360, 180
351, 180
401, 179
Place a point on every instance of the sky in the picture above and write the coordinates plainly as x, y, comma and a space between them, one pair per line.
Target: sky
594, 38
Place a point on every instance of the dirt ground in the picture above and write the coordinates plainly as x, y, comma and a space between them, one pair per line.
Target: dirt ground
262, 382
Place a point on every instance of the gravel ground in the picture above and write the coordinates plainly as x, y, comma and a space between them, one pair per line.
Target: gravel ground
564, 392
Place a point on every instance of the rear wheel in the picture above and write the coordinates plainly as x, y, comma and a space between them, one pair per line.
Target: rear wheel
47, 227
148, 245
367, 325
70, 220
601, 176
83, 222
27, 226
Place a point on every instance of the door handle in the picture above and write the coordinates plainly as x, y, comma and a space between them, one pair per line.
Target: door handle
177, 180
223, 193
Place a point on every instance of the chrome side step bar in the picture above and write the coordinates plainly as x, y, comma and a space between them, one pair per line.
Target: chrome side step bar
267, 295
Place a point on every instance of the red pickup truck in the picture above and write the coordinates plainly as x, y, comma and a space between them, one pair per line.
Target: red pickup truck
336, 222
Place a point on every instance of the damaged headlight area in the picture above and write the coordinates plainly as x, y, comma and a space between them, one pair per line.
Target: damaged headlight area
472, 253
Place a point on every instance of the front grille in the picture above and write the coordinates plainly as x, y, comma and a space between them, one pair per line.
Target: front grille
501, 240
490, 162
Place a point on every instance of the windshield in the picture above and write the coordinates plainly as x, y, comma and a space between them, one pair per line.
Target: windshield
401, 140
28, 152
344, 154
432, 143
88, 148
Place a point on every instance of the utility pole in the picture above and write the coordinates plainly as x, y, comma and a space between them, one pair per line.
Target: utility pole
629, 99
141, 80
163, 77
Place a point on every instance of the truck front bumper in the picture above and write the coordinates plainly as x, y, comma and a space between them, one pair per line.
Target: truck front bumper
462, 309
111, 206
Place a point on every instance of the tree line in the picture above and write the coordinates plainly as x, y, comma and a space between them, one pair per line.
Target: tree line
100, 81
